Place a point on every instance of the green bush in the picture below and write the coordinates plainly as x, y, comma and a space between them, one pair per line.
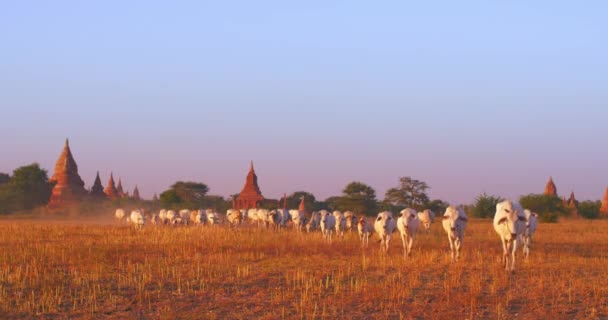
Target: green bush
589, 209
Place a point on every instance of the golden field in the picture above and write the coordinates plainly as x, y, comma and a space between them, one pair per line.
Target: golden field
91, 269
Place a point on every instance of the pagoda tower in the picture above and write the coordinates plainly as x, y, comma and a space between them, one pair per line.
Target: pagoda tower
97, 189
550, 189
121, 192
572, 201
69, 187
302, 206
604, 207
250, 196
136, 194
110, 190
573, 205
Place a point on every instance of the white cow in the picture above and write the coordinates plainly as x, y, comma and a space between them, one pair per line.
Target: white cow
314, 223
509, 224
351, 221
426, 217
340, 223
172, 217
234, 217
327, 224
120, 215
137, 219
184, 214
155, 219
298, 219
274, 219
385, 226
162, 216
212, 217
531, 224
408, 224
252, 216
285, 217
454, 223
365, 230
200, 217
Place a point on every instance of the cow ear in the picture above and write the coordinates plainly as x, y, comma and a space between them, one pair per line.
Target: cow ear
502, 220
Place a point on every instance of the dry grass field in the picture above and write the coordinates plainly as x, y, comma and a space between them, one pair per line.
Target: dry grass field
58, 270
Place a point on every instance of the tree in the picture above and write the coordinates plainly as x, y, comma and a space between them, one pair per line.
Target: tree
549, 207
170, 199
190, 191
410, 193
28, 188
4, 178
357, 197
437, 206
485, 206
589, 209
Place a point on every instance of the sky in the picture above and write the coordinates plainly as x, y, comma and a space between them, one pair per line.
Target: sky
468, 96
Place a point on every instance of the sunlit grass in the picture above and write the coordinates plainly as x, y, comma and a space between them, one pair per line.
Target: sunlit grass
85, 270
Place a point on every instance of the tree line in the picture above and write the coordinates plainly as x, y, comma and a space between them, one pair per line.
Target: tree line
28, 188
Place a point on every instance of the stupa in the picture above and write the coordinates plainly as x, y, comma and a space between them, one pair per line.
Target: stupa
250, 196
110, 190
136, 194
97, 189
550, 189
119, 190
69, 187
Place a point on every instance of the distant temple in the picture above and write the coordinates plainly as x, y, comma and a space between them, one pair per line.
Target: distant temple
97, 189
573, 205
111, 191
136, 194
550, 189
604, 208
302, 206
69, 187
250, 196
121, 193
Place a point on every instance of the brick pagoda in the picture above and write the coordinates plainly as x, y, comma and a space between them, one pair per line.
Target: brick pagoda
250, 196
97, 189
69, 187
110, 190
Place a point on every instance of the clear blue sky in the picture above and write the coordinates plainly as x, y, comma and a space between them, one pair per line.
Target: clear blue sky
469, 96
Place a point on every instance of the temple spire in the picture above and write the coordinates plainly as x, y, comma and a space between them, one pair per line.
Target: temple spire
250, 196
110, 190
97, 189
119, 189
550, 189
136, 193
68, 187
302, 206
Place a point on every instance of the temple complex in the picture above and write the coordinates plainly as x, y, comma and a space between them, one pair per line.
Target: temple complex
69, 187
550, 189
97, 189
110, 190
250, 196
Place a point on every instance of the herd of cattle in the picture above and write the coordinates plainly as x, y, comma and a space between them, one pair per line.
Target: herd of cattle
511, 223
